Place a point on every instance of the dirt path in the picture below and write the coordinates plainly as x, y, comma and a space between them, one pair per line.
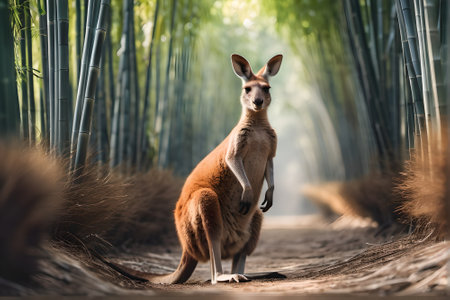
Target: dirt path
317, 258
344, 257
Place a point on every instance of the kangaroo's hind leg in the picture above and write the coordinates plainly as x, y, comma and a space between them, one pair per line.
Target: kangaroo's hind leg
211, 217
238, 265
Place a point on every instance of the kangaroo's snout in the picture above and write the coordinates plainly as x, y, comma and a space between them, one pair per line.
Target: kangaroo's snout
258, 101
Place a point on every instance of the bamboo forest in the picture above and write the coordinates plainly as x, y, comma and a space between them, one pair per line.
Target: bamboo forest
133, 133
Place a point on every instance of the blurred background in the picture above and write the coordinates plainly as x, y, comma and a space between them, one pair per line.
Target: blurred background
361, 88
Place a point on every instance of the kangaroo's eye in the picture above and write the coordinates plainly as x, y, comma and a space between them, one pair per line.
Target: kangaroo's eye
248, 89
265, 89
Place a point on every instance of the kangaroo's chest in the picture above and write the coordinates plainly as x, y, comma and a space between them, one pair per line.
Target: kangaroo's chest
260, 147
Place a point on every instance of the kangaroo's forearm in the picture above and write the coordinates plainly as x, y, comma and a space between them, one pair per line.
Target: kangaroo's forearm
237, 167
269, 174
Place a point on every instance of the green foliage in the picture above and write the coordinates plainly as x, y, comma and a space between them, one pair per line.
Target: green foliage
309, 18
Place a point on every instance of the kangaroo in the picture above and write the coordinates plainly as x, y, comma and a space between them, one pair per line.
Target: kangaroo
216, 215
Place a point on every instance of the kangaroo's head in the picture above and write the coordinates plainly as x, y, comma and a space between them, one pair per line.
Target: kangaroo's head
255, 87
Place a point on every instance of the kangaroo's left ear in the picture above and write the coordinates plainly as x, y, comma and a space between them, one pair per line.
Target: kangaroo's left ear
272, 67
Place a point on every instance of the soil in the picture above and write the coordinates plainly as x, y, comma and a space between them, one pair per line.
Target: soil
347, 256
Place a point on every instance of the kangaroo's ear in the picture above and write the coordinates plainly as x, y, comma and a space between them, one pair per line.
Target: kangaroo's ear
272, 67
241, 67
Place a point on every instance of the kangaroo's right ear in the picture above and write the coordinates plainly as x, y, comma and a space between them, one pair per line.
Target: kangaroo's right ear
272, 67
241, 67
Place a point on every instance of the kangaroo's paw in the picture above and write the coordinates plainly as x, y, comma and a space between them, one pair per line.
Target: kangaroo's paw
232, 278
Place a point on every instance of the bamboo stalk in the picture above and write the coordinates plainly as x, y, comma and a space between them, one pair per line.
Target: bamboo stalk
157, 110
110, 65
178, 117
45, 80
102, 130
115, 126
56, 71
415, 90
378, 12
418, 8
411, 37
188, 126
416, 95
9, 103
24, 88
399, 116
63, 77
87, 48
117, 131
433, 47
113, 150
88, 106
423, 54
134, 97
145, 113
124, 126
366, 74
165, 126
29, 72
78, 36
373, 35
51, 71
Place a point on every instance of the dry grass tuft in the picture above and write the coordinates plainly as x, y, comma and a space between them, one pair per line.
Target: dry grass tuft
30, 193
37, 199
90, 207
421, 189
417, 195
148, 217
121, 211
370, 197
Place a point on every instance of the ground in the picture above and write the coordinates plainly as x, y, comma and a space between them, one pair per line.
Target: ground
345, 257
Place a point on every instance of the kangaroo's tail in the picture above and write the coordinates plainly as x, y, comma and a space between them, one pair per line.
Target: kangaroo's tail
184, 270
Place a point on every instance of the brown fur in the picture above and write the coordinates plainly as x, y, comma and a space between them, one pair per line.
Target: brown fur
213, 177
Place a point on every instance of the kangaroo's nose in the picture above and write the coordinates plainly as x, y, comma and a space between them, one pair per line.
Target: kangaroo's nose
258, 101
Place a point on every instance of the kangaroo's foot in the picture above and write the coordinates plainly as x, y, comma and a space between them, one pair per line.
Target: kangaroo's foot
232, 278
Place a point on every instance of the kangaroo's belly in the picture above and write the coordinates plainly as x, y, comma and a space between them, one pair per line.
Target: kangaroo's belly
236, 226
